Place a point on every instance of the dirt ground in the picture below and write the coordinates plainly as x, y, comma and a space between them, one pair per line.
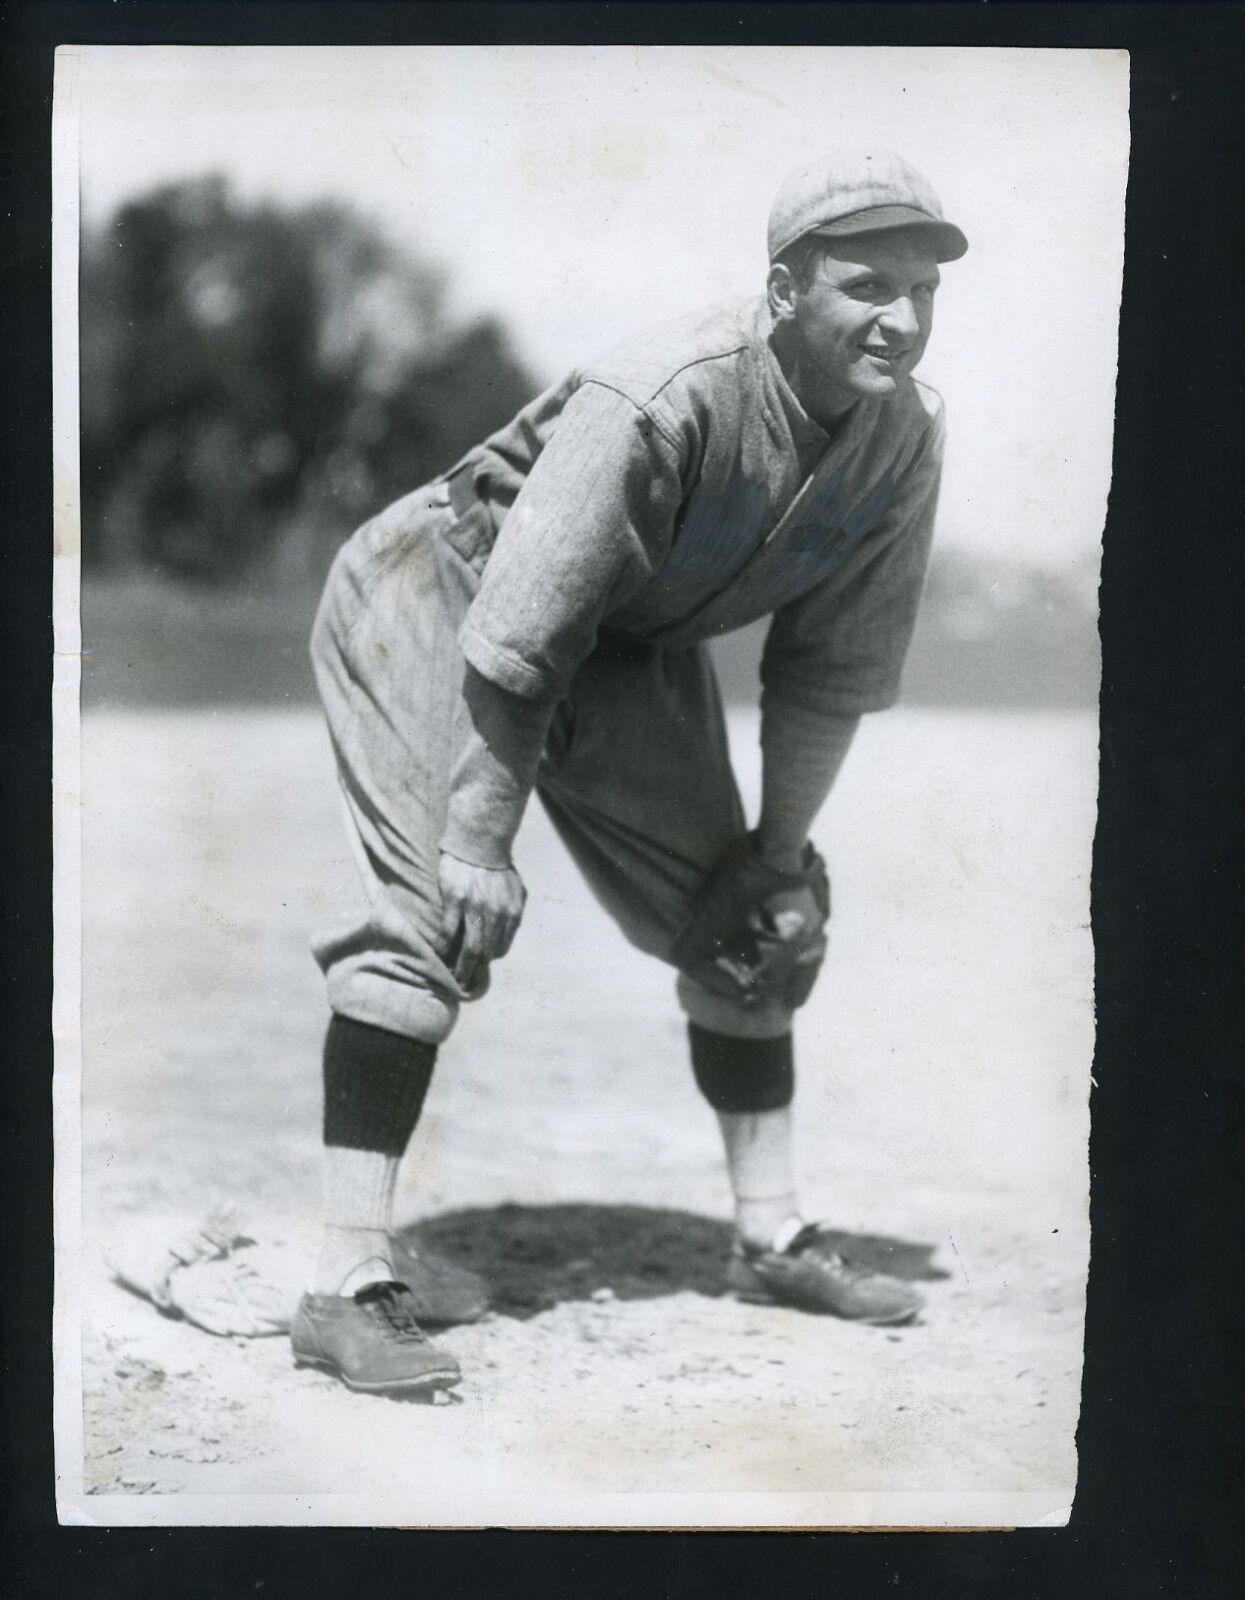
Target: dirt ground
943, 1075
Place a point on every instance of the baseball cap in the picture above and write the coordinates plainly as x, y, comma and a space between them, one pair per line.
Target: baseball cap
859, 191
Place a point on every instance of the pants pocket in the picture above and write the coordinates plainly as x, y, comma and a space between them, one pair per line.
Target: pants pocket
470, 536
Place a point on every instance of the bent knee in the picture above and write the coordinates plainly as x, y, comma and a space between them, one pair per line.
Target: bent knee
402, 1008
768, 1019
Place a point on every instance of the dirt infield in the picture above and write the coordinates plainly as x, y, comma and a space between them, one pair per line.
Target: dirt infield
942, 1080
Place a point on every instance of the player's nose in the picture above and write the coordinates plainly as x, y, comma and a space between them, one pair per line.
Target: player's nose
899, 321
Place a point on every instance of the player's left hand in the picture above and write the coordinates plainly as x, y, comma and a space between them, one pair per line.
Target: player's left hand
482, 909
756, 928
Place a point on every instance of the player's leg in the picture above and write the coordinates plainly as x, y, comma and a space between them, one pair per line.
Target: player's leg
641, 791
374, 1088
643, 795
390, 673
750, 1084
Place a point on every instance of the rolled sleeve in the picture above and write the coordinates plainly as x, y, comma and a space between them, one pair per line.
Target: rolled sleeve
840, 648
591, 524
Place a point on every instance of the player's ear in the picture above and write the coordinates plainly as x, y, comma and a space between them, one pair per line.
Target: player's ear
782, 291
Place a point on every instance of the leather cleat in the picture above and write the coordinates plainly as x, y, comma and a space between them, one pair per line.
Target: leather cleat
372, 1341
806, 1272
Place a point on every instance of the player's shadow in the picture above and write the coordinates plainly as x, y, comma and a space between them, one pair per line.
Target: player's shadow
535, 1257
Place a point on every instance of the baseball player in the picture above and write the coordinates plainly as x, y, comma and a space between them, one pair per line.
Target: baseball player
536, 620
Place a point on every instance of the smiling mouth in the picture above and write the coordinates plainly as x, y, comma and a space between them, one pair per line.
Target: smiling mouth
889, 356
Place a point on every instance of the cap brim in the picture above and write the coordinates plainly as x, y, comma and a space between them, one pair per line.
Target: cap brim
949, 243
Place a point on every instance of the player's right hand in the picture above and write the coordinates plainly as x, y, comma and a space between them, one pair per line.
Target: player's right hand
482, 909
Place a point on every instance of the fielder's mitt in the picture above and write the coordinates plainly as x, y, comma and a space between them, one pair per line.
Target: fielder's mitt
754, 933
214, 1274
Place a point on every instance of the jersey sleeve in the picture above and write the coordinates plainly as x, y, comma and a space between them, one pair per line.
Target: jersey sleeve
840, 647
593, 521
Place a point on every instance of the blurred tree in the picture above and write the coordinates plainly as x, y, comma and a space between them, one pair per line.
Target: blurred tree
252, 373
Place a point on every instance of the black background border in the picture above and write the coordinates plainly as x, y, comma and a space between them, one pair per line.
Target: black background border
1159, 1506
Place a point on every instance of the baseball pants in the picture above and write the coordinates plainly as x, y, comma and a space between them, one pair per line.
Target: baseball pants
635, 776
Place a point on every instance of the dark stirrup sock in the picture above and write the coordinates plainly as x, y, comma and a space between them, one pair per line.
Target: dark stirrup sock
374, 1086
742, 1075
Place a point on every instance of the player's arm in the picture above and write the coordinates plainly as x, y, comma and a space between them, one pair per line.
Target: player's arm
482, 895
801, 753
588, 528
495, 771
756, 928
838, 652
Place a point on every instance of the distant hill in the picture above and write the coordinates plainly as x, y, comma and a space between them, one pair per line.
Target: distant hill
989, 635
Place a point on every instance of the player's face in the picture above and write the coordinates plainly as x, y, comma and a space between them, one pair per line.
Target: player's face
863, 322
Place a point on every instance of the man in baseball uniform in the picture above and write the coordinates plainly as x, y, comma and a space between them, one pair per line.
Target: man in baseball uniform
537, 619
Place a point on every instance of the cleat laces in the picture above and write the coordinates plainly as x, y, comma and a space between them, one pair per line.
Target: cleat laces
813, 1233
389, 1305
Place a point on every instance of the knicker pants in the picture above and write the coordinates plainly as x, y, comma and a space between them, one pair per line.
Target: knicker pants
635, 776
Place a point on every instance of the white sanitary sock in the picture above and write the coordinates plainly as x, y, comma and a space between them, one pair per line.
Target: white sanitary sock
358, 1215
759, 1161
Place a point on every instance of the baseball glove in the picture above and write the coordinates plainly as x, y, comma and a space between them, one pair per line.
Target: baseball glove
214, 1274
756, 934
